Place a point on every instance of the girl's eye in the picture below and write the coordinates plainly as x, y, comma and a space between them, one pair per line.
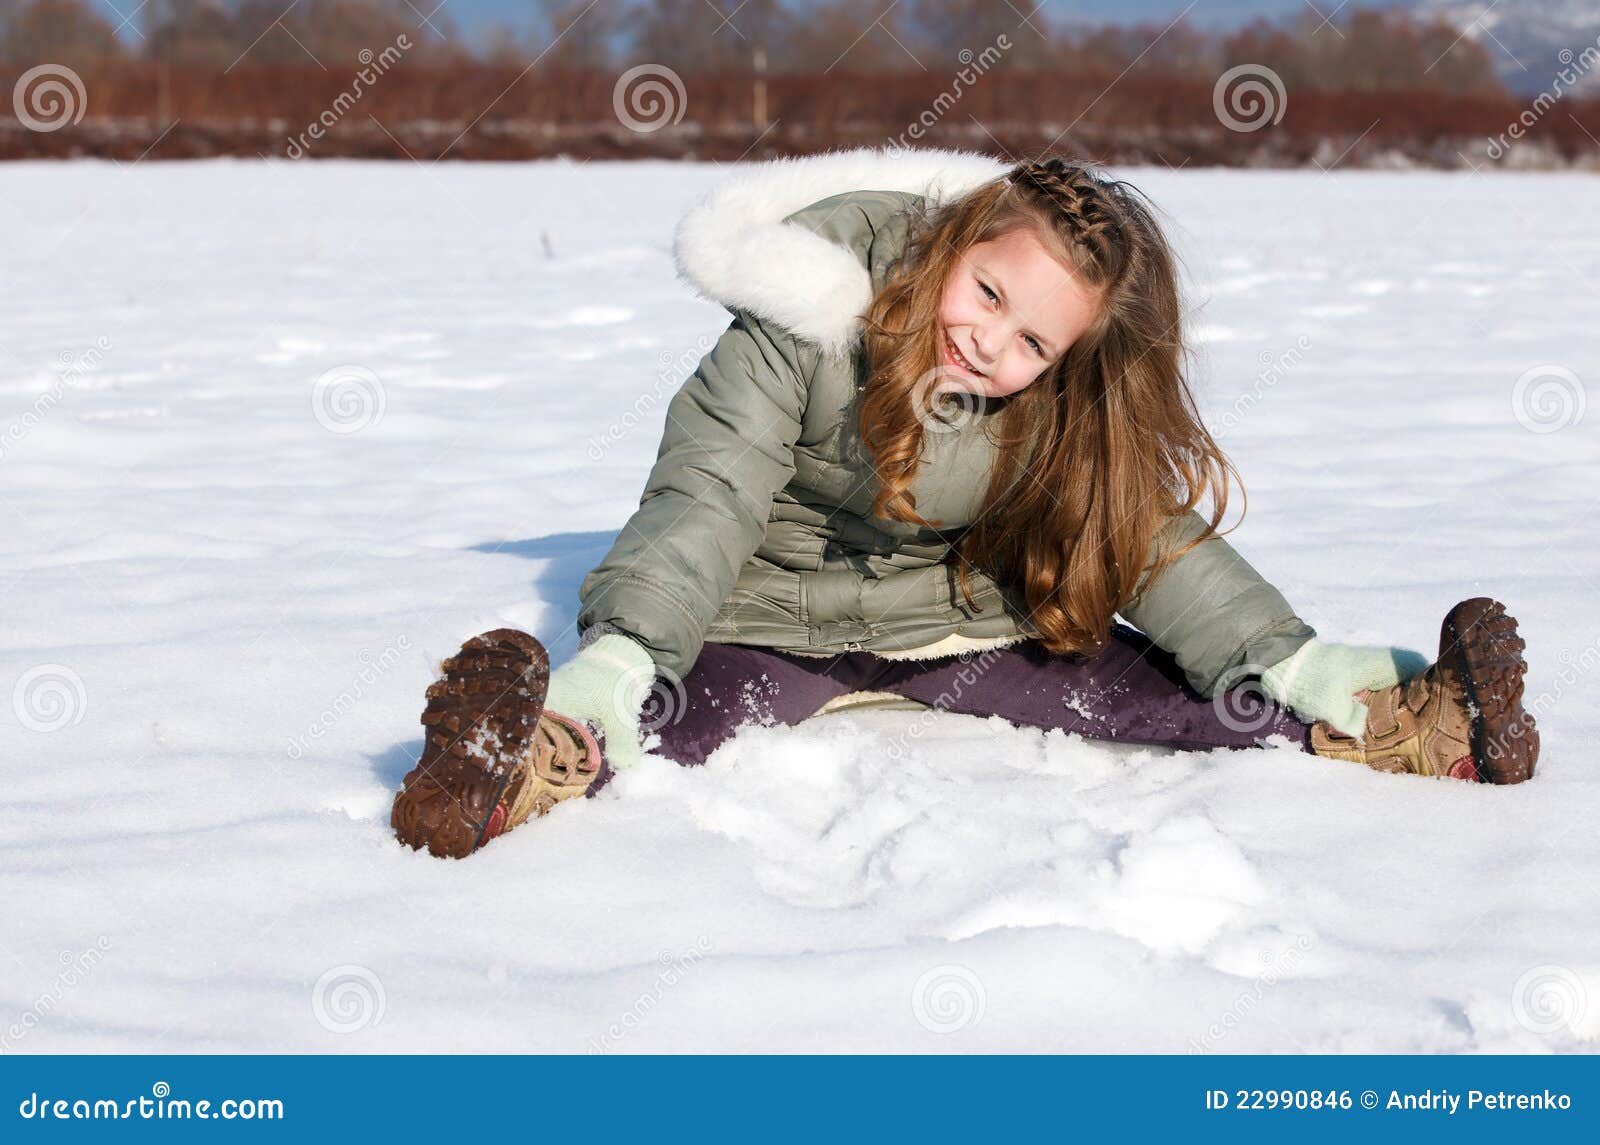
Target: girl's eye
993, 297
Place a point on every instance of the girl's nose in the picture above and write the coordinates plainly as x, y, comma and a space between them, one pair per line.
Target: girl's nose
982, 341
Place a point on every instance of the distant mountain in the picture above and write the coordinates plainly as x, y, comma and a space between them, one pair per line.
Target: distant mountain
1525, 38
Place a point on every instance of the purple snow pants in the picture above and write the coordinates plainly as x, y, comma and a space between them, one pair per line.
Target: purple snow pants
1132, 692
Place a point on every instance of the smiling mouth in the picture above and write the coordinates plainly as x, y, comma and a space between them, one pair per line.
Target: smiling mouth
958, 359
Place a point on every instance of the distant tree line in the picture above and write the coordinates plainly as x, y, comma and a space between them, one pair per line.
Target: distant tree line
399, 78
1365, 50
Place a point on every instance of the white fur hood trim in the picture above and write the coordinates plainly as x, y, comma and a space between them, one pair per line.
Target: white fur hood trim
734, 248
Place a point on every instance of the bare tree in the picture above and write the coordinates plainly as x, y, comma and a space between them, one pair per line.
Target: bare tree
326, 33
850, 36
702, 35
942, 29
194, 32
1365, 50
1183, 50
55, 31
580, 33
338, 31
1460, 63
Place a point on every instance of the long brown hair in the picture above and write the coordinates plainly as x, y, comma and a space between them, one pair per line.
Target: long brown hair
1096, 453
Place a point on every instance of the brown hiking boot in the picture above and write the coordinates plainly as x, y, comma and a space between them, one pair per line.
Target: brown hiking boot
1460, 718
492, 756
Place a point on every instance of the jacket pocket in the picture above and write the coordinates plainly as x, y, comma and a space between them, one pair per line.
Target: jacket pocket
765, 606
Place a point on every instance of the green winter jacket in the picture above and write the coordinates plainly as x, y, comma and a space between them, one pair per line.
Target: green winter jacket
756, 525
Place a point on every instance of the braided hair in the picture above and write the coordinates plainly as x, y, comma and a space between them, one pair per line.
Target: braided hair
1090, 208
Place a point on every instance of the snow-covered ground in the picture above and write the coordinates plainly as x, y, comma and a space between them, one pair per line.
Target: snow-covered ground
277, 437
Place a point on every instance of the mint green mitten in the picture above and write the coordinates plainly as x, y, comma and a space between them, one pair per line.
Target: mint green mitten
606, 683
1320, 680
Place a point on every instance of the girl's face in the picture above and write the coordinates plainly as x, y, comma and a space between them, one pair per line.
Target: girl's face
1009, 311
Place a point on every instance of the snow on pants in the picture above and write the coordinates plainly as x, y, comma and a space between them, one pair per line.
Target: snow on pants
1132, 692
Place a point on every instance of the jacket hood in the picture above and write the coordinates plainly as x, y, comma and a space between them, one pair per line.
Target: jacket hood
734, 248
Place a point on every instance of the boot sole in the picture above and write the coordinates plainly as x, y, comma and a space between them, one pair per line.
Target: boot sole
480, 721
1480, 643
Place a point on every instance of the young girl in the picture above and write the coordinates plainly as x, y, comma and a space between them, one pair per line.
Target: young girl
944, 442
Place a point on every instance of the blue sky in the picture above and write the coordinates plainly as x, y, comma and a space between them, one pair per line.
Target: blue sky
475, 15
478, 16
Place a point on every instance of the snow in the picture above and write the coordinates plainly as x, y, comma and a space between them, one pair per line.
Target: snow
274, 438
